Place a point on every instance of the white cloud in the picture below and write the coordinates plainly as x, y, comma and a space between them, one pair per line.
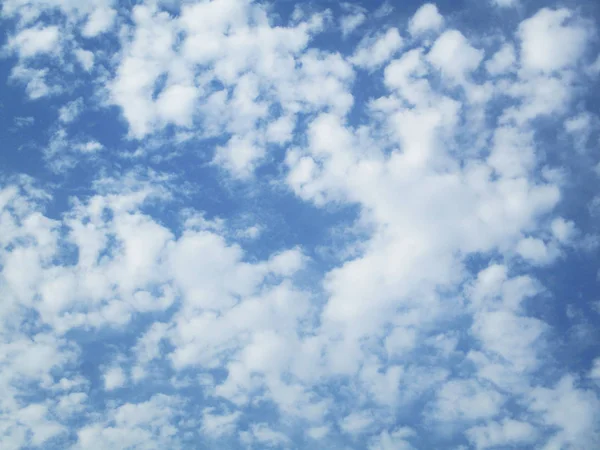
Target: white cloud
506, 3
510, 336
217, 425
72, 403
34, 416
430, 180
90, 147
35, 81
185, 99
85, 58
32, 42
394, 440
351, 22
513, 152
564, 231
595, 371
502, 61
239, 156
281, 130
99, 21
537, 251
454, 56
539, 96
594, 68
574, 419
374, 51
318, 433
176, 104
467, 400
114, 378
400, 341
133, 425
427, 18
551, 40
69, 112
357, 422
508, 432
262, 434
406, 76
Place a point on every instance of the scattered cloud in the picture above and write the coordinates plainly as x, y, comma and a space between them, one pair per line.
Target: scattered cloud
245, 225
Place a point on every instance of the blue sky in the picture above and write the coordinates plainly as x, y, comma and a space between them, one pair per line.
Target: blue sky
231, 224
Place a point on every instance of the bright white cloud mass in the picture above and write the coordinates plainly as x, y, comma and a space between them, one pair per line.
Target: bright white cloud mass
233, 224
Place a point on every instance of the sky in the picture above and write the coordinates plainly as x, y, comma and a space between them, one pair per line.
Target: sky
234, 224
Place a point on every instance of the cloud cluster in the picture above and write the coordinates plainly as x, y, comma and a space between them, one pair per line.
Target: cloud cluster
136, 314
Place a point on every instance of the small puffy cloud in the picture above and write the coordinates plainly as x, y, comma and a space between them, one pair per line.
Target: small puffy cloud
287, 262
579, 124
99, 21
394, 440
114, 378
251, 232
513, 152
376, 50
90, 147
508, 432
263, 435
34, 416
176, 104
594, 68
427, 18
575, 420
23, 122
72, 403
318, 433
357, 422
239, 156
35, 41
510, 336
69, 112
351, 22
35, 82
217, 425
506, 3
595, 370
148, 425
502, 61
536, 251
400, 341
454, 56
281, 130
467, 400
552, 40
563, 230
85, 58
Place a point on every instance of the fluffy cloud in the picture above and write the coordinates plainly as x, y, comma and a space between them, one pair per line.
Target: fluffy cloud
427, 18
258, 230
99, 21
503, 60
352, 21
505, 3
134, 425
551, 40
454, 56
35, 41
374, 51
114, 378
507, 432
